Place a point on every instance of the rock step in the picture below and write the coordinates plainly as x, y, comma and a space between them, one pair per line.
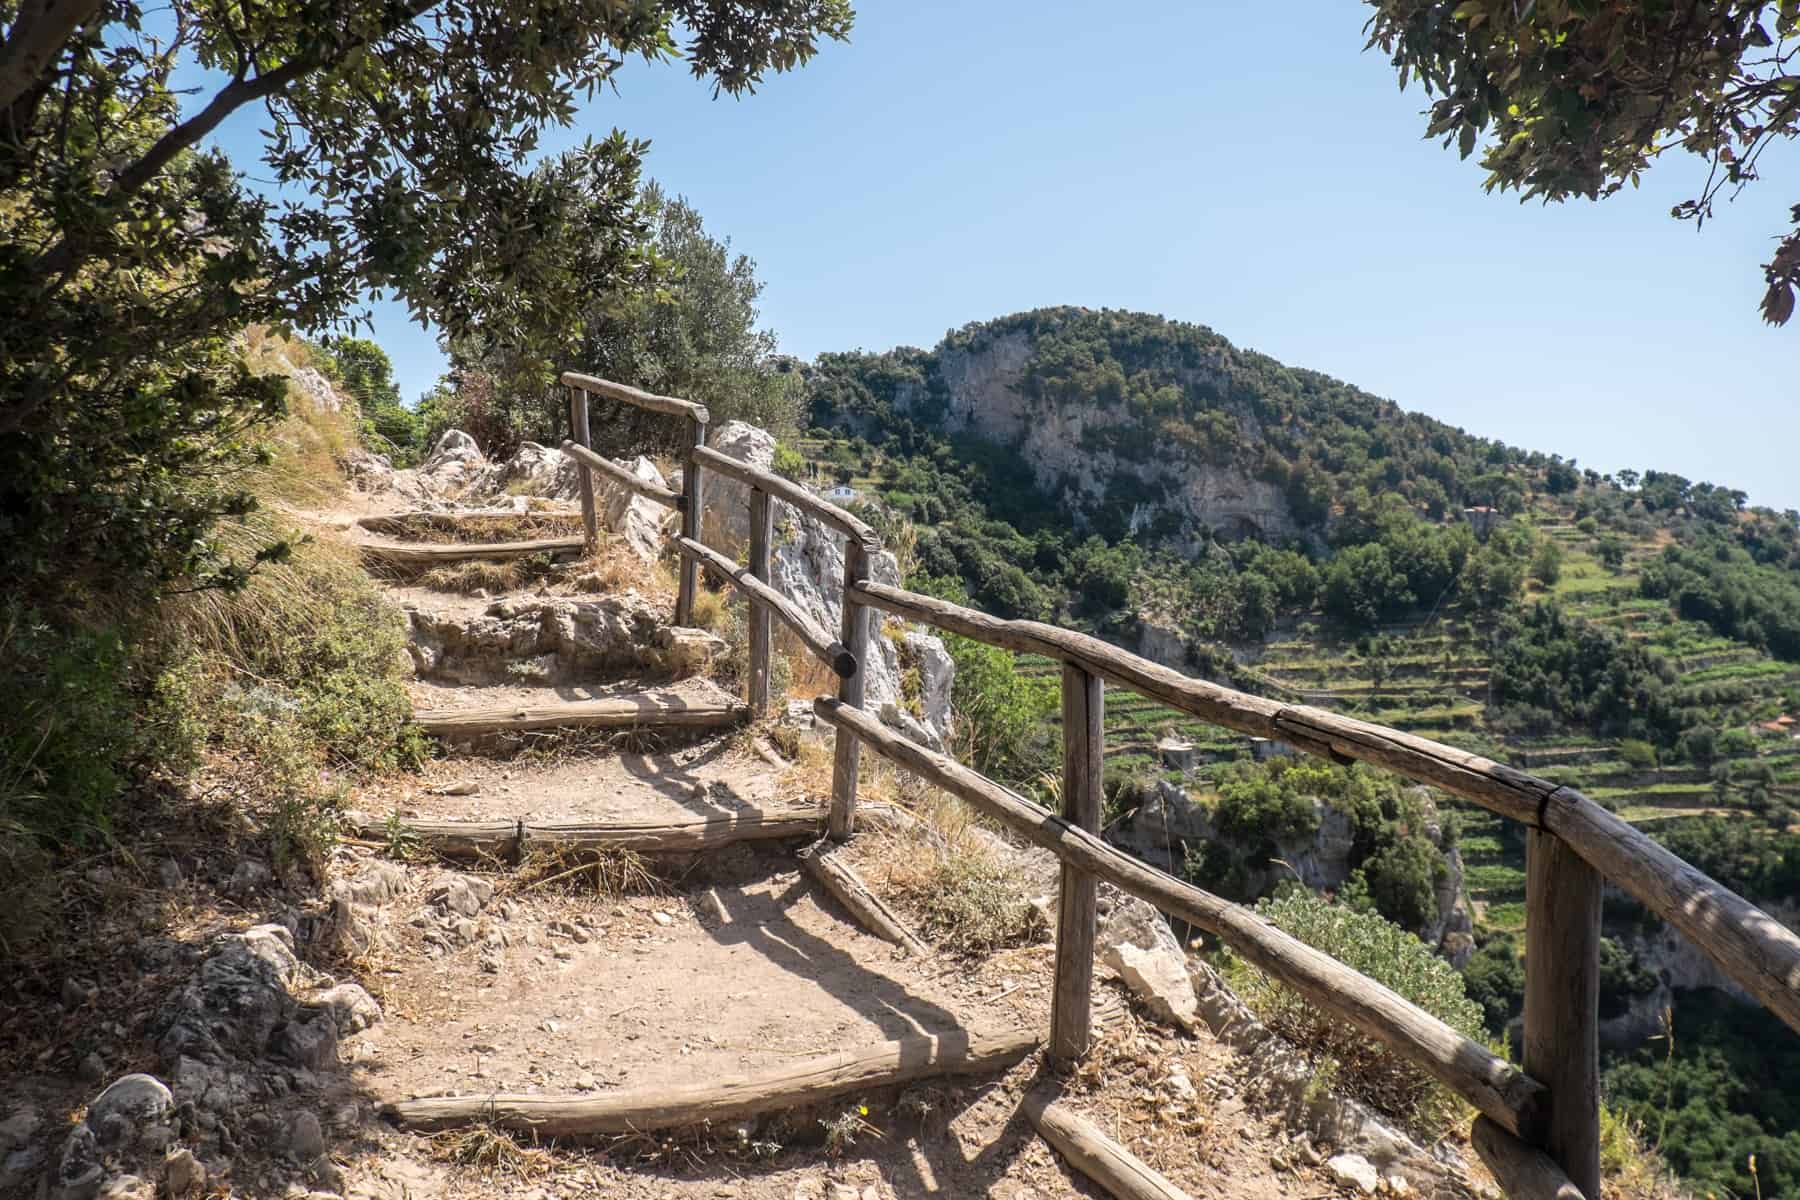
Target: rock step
425, 554
507, 839
645, 710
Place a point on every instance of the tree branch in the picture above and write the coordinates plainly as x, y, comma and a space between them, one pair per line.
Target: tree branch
36, 41
63, 256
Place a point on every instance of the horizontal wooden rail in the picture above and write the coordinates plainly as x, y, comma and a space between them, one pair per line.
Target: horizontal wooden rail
789, 492
1512, 1099
831, 652
636, 397
666, 497
1208, 701
726, 1097
1752, 948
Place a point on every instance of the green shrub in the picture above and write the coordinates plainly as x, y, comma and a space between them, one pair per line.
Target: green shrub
1364, 942
1495, 979
1402, 879
976, 905
71, 701
788, 462
314, 629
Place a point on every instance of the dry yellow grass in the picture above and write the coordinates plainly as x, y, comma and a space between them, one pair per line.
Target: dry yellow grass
614, 567
950, 876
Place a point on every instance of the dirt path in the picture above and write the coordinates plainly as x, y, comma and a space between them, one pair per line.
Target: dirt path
583, 973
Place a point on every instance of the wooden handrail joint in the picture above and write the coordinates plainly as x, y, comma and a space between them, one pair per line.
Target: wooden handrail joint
829, 650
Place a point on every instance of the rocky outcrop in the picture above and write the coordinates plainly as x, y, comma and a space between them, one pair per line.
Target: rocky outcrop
533, 470
251, 1029
983, 392
808, 568
1678, 966
458, 474
1168, 824
542, 640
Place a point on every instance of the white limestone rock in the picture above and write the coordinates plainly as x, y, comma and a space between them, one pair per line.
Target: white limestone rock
1355, 1173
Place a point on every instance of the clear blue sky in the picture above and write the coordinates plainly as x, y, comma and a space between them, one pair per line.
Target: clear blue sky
1245, 166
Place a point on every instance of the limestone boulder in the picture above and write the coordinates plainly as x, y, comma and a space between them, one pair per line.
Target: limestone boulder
808, 568
533, 470
455, 462
644, 525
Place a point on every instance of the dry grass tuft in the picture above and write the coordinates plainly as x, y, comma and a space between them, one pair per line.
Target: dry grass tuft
807, 676
493, 1150
609, 872
952, 880
810, 774
711, 610
473, 575
615, 567
307, 446
478, 528
1631, 1169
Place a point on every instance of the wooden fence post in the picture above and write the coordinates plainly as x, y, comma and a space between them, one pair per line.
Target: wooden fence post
762, 536
1084, 747
579, 433
1562, 1001
855, 636
690, 526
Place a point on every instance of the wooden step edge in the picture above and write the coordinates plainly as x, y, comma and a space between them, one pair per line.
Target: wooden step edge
673, 1106
1084, 1146
508, 838
428, 553
625, 712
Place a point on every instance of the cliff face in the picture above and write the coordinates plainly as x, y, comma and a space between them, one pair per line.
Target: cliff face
1073, 445
1169, 824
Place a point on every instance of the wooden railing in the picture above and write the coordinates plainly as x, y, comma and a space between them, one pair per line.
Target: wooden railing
1538, 1128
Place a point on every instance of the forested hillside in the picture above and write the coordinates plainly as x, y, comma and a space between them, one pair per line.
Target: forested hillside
1632, 634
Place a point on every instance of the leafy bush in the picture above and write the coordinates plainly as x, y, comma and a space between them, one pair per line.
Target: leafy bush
85, 717
1495, 979
1384, 952
1401, 881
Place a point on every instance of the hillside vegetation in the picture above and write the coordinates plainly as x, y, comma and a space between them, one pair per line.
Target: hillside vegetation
1630, 634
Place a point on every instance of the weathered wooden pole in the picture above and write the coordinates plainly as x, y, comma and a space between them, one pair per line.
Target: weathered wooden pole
1562, 1001
1084, 748
579, 433
690, 524
855, 636
762, 536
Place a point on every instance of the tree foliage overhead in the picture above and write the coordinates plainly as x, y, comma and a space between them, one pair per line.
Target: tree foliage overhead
128, 255
694, 334
1578, 97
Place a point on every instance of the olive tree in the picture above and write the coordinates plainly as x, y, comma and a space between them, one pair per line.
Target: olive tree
403, 130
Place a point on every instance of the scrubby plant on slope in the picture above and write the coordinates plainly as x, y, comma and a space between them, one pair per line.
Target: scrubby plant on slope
1384, 952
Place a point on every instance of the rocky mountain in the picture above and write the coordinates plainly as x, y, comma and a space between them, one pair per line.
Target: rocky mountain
1136, 425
